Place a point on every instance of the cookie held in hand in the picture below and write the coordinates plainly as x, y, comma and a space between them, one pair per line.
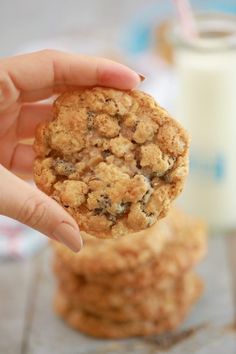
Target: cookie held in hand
115, 160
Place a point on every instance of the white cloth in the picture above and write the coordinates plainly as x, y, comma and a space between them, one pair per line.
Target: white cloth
18, 241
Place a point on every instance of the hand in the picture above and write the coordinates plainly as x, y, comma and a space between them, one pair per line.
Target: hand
24, 81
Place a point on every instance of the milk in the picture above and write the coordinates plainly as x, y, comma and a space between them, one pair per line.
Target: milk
206, 105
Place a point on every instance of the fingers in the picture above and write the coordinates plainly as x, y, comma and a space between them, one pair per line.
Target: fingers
22, 202
22, 159
30, 116
19, 157
38, 75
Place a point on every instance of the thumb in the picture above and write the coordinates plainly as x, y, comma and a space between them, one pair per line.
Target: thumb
22, 202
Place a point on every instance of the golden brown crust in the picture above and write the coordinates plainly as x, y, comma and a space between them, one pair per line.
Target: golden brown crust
117, 290
101, 326
129, 303
176, 244
112, 256
127, 155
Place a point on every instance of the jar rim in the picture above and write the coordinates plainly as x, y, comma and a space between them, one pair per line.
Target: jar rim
217, 32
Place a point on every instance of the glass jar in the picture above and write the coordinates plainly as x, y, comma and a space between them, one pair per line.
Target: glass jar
206, 105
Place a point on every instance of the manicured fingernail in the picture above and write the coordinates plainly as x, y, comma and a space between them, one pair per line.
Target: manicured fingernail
142, 77
69, 236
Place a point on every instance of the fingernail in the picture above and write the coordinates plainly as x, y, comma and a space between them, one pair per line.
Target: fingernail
142, 77
69, 236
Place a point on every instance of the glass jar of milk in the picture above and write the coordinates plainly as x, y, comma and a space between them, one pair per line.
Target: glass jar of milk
206, 105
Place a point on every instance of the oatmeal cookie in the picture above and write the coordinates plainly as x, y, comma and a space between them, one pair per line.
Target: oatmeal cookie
182, 242
115, 160
130, 303
112, 256
100, 326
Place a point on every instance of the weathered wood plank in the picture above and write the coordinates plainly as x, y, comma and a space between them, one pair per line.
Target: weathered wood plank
14, 285
231, 247
204, 332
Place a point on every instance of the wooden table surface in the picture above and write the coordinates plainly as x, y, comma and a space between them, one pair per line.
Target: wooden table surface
29, 326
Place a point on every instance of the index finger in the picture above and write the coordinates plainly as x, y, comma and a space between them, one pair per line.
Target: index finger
38, 75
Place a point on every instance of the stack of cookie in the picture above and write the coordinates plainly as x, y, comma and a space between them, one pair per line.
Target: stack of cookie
116, 160
141, 284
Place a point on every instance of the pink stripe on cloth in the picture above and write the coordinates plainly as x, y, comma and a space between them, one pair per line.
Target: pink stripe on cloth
11, 232
18, 241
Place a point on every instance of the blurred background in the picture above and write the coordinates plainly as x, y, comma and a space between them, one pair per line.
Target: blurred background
131, 22
194, 78
136, 32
